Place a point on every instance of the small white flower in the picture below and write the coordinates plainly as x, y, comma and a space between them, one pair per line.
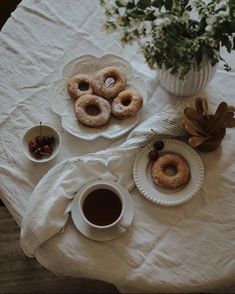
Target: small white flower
119, 20
211, 20
124, 2
186, 15
141, 28
109, 27
122, 11
139, 49
107, 6
158, 21
223, 13
148, 26
133, 23
194, 3
158, 33
156, 12
166, 22
209, 28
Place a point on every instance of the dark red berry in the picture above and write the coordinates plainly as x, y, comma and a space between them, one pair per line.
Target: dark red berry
38, 153
47, 149
40, 140
33, 145
153, 154
158, 145
49, 140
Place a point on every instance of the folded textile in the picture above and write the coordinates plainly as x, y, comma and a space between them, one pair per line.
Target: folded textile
163, 244
49, 205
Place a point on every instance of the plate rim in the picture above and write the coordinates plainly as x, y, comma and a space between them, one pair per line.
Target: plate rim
97, 59
175, 202
108, 137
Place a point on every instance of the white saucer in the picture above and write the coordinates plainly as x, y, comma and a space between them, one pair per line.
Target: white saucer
102, 235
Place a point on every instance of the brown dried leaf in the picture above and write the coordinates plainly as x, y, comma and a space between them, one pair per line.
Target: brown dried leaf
196, 141
191, 113
190, 127
223, 106
230, 124
222, 120
205, 107
198, 105
231, 108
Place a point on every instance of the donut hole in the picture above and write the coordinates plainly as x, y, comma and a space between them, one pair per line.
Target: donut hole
92, 110
170, 170
83, 86
109, 82
126, 101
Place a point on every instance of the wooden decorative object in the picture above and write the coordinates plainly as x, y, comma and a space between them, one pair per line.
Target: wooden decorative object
208, 130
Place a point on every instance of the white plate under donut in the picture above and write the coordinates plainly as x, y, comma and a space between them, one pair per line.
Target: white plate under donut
145, 184
62, 103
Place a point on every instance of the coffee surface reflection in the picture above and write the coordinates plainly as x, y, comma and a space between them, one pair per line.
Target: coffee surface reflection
102, 207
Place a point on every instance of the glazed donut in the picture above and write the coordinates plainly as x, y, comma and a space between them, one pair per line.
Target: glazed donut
92, 111
102, 87
127, 104
79, 85
164, 180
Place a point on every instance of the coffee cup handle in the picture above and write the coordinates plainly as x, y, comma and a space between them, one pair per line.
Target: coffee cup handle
124, 224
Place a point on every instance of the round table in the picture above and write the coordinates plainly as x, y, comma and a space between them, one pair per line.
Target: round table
192, 246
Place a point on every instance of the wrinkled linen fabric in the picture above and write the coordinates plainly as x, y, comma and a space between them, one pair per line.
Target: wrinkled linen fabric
50, 203
179, 249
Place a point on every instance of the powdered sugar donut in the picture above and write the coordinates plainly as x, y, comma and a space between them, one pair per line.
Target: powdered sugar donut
127, 104
108, 82
92, 111
79, 85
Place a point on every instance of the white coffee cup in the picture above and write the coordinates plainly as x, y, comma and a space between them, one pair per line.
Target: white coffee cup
92, 201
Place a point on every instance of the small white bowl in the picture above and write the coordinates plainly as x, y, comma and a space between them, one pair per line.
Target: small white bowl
32, 133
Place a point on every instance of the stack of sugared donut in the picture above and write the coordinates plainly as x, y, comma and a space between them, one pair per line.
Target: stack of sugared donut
104, 94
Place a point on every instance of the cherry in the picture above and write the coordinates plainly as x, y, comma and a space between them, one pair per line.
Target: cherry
40, 140
158, 145
49, 140
38, 153
33, 145
47, 149
153, 154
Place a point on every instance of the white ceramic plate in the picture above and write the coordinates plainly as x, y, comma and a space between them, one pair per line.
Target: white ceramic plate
97, 234
62, 104
145, 184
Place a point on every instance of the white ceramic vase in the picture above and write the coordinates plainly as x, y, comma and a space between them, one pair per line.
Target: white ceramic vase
193, 82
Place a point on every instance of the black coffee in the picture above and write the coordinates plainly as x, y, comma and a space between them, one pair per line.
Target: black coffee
102, 207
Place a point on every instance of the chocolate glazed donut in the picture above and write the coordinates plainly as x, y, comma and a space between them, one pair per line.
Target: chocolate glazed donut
103, 88
162, 179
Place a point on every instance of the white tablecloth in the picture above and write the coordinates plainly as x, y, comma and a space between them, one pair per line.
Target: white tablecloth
35, 43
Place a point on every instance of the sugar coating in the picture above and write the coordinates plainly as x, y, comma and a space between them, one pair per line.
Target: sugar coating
179, 180
92, 120
73, 86
119, 109
99, 86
